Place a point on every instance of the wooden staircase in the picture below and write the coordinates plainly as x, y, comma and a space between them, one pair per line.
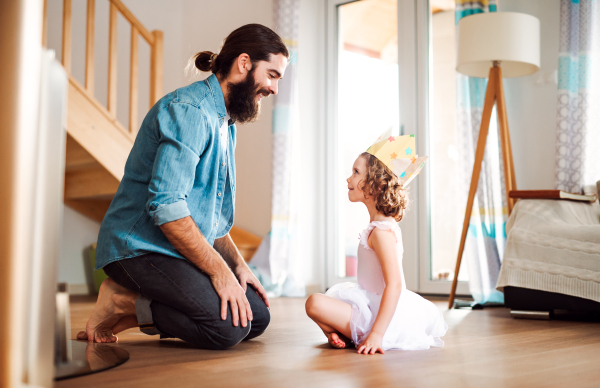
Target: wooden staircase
97, 143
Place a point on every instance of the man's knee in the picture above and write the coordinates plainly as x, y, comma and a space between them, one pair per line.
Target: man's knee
227, 335
261, 315
260, 321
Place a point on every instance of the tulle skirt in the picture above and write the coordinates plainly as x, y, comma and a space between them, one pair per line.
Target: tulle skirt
417, 323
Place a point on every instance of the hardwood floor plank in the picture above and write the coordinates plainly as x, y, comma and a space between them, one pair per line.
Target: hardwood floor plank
483, 348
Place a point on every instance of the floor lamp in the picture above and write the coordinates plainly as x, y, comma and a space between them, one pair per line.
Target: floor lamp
494, 45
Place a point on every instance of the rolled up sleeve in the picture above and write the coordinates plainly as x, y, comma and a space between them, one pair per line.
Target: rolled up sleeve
183, 135
169, 212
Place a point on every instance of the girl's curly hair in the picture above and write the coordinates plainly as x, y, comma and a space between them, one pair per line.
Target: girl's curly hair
382, 183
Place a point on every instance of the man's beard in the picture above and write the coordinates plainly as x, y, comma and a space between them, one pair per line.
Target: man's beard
243, 105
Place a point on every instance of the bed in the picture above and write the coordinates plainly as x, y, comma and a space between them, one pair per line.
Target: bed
552, 258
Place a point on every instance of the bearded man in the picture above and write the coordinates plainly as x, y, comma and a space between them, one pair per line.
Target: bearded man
164, 242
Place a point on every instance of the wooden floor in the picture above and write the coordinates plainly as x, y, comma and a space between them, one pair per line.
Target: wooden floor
484, 348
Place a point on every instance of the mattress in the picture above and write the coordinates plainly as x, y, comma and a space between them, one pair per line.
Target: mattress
554, 246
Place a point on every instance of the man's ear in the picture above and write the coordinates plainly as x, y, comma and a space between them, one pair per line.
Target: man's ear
244, 64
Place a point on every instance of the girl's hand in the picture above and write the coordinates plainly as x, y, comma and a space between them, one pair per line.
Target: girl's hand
371, 344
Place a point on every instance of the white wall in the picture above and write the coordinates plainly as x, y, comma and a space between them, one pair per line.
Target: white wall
78, 233
531, 106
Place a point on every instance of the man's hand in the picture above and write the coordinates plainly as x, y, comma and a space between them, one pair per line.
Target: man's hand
245, 276
232, 256
189, 241
229, 290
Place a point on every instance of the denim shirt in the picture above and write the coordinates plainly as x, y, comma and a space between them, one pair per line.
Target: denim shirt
176, 168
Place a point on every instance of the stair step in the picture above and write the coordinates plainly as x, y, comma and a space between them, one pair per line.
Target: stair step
246, 242
77, 157
96, 131
90, 183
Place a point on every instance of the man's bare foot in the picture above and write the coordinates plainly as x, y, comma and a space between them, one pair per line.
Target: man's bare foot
335, 340
113, 310
127, 322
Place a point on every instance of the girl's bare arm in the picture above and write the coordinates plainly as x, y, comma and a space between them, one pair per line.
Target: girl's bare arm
383, 243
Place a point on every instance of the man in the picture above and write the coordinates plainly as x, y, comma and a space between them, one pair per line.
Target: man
173, 268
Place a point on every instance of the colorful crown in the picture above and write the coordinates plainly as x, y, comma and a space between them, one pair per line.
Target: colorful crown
398, 153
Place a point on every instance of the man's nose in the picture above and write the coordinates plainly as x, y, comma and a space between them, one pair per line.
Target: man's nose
273, 88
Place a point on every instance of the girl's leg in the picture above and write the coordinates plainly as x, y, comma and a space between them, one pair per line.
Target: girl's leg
332, 316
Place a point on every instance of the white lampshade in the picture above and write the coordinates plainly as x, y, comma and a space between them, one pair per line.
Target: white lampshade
510, 37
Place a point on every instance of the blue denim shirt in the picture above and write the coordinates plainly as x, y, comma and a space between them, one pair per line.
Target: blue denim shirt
176, 168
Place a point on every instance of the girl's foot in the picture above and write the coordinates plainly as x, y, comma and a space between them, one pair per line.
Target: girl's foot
335, 340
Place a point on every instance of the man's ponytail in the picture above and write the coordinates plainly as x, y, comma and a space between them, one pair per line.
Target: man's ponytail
256, 40
205, 61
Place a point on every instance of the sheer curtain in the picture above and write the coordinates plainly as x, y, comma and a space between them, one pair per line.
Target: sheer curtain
578, 124
279, 269
486, 238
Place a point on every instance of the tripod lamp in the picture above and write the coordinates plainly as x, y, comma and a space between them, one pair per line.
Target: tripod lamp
493, 45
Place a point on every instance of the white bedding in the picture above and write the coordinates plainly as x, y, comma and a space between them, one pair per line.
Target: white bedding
554, 246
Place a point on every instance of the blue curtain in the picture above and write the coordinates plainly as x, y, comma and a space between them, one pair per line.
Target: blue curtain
278, 268
578, 124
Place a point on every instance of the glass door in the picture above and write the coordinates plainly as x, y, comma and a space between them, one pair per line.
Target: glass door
364, 41
446, 194
390, 67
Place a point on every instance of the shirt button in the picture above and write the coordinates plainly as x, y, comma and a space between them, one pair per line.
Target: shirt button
223, 164
219, 194
216, 224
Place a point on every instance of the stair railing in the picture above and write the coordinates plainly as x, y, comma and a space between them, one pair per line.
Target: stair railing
154, 39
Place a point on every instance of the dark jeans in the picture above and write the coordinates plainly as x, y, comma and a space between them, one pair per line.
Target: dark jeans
184, 303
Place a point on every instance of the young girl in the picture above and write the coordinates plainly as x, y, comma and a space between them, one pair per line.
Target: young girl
378, 313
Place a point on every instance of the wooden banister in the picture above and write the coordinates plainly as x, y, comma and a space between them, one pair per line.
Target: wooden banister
66, 38
111, 104
154, 39
89, 46
133, 82
92, 126
45, 25
156, 68
133, 20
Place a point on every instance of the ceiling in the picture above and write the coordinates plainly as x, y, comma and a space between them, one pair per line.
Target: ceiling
369, 27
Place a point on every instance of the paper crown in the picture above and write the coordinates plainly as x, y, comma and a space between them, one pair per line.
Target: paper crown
398, 153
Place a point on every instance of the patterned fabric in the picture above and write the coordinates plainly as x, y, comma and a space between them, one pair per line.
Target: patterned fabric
283, 217
470, 7
486, 236
578, 125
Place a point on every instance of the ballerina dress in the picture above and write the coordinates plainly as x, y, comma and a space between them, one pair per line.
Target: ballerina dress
416, 325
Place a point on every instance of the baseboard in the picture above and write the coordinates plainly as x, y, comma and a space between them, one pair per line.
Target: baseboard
78, 289
313, 289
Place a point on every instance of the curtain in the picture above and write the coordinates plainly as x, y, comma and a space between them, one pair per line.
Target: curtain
278, 267
578, 124
486, 237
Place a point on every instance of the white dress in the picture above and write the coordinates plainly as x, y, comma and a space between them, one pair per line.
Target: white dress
417, 323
